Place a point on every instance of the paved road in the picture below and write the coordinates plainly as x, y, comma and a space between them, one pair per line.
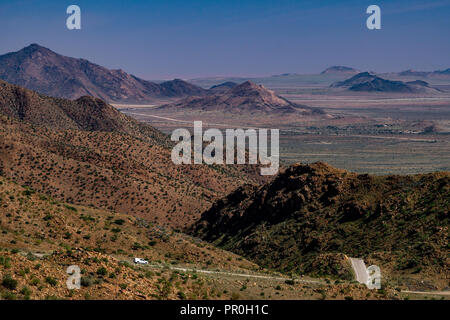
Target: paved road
360, 270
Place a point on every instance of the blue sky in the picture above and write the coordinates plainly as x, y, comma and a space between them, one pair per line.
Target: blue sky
166, 39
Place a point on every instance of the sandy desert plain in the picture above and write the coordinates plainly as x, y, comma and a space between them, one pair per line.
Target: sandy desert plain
365, 132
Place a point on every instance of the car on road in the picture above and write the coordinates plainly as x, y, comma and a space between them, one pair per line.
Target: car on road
140, 261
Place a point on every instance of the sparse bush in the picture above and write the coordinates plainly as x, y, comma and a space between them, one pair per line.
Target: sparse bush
9, 283
87, 281
8, 296
123, 286
51, 281
26, 292
70, 208
102, 271
119, 222
35, 281
6, 262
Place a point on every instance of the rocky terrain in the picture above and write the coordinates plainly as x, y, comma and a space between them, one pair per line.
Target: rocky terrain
310, 217
44, 237
86, 152
82, 183
41, 237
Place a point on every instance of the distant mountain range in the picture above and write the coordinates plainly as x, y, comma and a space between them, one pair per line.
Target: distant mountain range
426, 74
340, 70
369, 82
246, 97
40, 69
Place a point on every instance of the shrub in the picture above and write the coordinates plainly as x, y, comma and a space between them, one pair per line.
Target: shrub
119, 222
102, 271
123, 286
26, 292
9, 283
6, 262
137, 246
51, 281
28, 192
87, 281
70, 208
9, 296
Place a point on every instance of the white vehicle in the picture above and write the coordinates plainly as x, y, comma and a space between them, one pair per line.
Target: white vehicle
140, 261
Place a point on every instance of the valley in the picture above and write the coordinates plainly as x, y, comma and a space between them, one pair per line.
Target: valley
377, 133
87, 179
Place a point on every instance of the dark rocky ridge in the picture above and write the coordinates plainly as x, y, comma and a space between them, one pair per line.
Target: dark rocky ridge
310, 214
369, 82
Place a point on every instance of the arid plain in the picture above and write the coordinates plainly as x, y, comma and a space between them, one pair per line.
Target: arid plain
367, 132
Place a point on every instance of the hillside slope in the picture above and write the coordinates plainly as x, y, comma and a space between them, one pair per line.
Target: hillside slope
41, 237
38, 223
112, 170
85, 113
309, 216
86, 152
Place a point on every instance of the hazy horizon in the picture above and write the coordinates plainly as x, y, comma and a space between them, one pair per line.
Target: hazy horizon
175, 39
